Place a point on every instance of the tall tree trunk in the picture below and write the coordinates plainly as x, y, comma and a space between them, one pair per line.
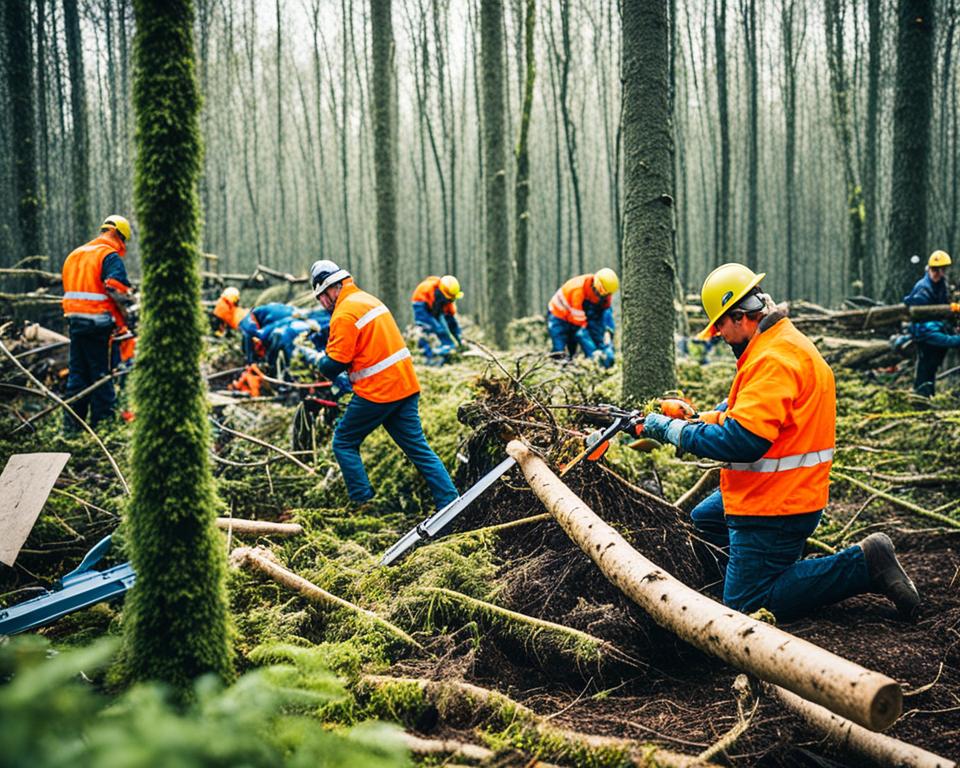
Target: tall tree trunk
911, 144
521, 304
176, 615
384, 149
871, 152
722, 220
648, 263
497, 229
281, 246
569, 129
791, 37
748, 12
42, 118
80, 154
834, 15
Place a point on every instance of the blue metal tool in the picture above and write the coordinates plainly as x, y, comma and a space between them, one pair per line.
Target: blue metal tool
79, 589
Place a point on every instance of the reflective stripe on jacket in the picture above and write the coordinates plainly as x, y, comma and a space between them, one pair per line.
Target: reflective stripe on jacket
364, 336
427, 293
783, 392
84, 291
567, 302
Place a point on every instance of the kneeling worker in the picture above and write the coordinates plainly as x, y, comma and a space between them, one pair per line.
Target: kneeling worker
365, 340
435, 312
96, 294
776, 430
575, 315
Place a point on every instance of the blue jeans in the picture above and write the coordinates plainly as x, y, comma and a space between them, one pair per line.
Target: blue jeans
401, 419
929, 358
432, 325
763, 569
89, 362
563, 335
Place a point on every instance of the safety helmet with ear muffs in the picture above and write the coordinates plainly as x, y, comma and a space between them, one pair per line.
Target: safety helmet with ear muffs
325, 273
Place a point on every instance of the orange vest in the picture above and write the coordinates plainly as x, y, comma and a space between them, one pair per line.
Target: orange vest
229, 312
426, 292
84, 292
783, 392
364, 335
567, 302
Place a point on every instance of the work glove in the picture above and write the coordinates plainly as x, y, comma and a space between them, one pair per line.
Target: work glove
955, 307
605, 356
586, 343
663, 428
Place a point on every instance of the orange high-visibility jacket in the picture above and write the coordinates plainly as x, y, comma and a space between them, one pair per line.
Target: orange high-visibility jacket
84, 291
567, 302
364, 335
427, 293
229, 312
783, 392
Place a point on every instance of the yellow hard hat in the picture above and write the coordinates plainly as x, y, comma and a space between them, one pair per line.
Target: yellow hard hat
231, 294
606, 282
724, 288
939, 259
118, 223
450, 287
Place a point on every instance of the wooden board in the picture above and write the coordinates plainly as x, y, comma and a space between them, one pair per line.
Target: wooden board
24, 487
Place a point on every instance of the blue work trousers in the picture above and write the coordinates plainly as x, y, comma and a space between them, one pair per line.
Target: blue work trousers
436, 326
563, 336
401, 419
89, 362
929, 358
763, 565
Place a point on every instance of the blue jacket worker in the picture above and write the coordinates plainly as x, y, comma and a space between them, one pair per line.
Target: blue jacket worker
933, 337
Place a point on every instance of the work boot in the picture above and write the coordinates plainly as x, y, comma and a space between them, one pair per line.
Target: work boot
887, 575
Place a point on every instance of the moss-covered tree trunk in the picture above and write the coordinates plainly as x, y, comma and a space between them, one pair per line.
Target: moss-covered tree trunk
385, 148
495, 179
648, 264
80, 146
521, 288
176, 616
19, 67
911, 144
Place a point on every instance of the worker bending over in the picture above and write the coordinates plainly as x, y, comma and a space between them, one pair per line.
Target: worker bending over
776, 431
365, 340
435, 313
257, 325
933, 337
576, 316
228, 311
96, 295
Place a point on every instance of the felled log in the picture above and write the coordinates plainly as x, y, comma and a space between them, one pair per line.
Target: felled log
868, 698
882, 749
875, 317
857, 353
263, 560
258, 527
36, 332
459, 699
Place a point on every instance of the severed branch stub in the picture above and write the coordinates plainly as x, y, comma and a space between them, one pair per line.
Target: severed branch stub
866, 697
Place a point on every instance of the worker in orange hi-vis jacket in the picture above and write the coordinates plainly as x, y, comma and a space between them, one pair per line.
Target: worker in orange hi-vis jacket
365, 341
96, 295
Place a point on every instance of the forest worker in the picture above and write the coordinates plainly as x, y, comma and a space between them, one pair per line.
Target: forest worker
257, 325
96, 295
228, 310
364, 339
435, 313
575, 315
933, 337
776, 432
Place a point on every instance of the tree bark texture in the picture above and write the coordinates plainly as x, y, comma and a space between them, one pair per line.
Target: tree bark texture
722, 222
868, 698
19, 66
176, 615
872, 150
80, 151
648, 232
748, 12
385, 149
522, 190
497, 229
911, 145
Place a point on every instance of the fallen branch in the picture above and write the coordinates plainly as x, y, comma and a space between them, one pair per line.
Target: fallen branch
72, 399
262, 560
908, 505
565, 641
708, 481
258, 527
461, 701
497, 527
47, 393
884, 750
458, 749
771, 654
265, 444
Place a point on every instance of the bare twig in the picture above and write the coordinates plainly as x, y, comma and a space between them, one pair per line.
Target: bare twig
265, 444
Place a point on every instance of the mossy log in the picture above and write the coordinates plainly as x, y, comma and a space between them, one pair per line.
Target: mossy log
264, 561
882, 749
468, 704
868, 698
874, 317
